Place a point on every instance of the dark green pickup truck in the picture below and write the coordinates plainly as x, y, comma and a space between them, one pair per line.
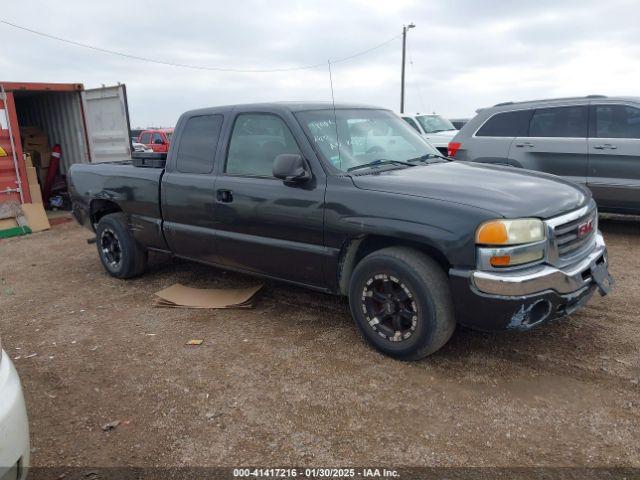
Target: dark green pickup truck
352, 201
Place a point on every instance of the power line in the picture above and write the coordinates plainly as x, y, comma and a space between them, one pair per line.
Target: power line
195, 67
417, 84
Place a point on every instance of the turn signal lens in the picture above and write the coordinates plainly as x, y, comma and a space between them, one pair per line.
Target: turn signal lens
516, 258
492, 233
510, 232
501, 261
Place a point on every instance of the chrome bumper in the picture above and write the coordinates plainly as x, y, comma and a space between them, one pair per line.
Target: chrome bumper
541, 278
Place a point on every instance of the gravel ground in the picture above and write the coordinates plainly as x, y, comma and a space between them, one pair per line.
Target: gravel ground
291, 382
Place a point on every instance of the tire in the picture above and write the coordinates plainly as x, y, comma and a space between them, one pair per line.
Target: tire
423, 305
121, 255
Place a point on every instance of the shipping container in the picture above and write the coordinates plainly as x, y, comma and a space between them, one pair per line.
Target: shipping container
90, 126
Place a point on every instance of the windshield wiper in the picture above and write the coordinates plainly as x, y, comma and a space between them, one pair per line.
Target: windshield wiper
380, 162
425, 158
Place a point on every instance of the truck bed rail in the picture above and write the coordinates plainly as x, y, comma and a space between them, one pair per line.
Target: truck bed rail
149, 160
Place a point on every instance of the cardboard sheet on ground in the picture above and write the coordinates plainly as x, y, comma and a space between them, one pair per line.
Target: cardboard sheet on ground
181, 296
36, 217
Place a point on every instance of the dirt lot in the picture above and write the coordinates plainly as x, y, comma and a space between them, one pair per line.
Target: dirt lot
291, 382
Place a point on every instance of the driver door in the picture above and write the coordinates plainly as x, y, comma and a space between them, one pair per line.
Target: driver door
263, 225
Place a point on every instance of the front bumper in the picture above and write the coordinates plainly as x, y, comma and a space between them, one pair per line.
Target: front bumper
522, 299
14, 426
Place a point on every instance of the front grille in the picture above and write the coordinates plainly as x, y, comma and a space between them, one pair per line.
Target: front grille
574, 237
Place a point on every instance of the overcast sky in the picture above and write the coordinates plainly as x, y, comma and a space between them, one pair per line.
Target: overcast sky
463, 54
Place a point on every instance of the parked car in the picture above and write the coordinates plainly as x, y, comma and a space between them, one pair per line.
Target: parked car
594, 141
14, 426
436, 129
157, 140
458, 123
352, 201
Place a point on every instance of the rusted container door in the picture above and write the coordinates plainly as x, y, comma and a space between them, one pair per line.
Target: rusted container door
13, 174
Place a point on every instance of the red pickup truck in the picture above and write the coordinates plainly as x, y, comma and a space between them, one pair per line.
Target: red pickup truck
156, 139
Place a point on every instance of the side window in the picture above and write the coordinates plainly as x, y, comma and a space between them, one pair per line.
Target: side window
411, 122
145, 138
506, 124
156, 137
617, 121
559, 122
257, 139
198, 144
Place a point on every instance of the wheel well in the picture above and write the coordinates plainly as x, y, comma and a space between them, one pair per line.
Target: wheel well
359, 248
100, 208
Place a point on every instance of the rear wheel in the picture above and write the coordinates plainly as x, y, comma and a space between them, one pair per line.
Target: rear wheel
401, 302
121, 255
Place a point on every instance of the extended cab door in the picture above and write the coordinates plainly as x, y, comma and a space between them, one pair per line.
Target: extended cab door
188, 188
556, 143
262, 224
107, 121
614, 156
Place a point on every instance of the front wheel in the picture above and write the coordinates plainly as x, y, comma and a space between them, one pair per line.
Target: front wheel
401, 302
121, 255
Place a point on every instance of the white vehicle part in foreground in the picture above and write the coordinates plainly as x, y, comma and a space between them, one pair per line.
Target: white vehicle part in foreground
14, 426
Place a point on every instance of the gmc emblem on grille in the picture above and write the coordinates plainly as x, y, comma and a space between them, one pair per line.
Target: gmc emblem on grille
585, 228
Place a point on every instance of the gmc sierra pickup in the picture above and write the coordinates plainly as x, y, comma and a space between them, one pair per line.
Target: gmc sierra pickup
350, 200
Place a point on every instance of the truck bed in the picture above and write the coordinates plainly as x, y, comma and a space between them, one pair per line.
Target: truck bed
135, 189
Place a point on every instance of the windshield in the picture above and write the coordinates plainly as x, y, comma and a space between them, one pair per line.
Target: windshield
169, 134
365, 135
435, 123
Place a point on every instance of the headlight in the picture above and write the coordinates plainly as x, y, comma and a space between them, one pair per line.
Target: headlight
510, 232
509, 243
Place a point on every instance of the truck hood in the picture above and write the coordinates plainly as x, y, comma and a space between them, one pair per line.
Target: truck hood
443, 134
441, 137
508, 192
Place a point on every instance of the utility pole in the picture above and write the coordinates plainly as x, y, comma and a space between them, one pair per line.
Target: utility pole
404, 55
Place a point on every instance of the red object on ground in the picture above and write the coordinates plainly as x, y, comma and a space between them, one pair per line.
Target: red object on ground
54, 165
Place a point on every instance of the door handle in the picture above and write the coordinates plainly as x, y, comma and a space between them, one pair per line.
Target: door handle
224, 196
525, 144
606, 146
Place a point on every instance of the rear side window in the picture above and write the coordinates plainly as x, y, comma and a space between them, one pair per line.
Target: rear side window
145, 138
198, 144
568, 122
617, 121
506, 124
256, 141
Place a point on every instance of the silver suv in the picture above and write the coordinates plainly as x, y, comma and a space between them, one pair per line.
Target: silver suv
593, 140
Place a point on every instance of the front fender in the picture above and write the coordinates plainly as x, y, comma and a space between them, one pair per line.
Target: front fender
446, 229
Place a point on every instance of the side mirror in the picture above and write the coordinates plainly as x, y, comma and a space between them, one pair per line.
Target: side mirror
291, 168
158, 141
